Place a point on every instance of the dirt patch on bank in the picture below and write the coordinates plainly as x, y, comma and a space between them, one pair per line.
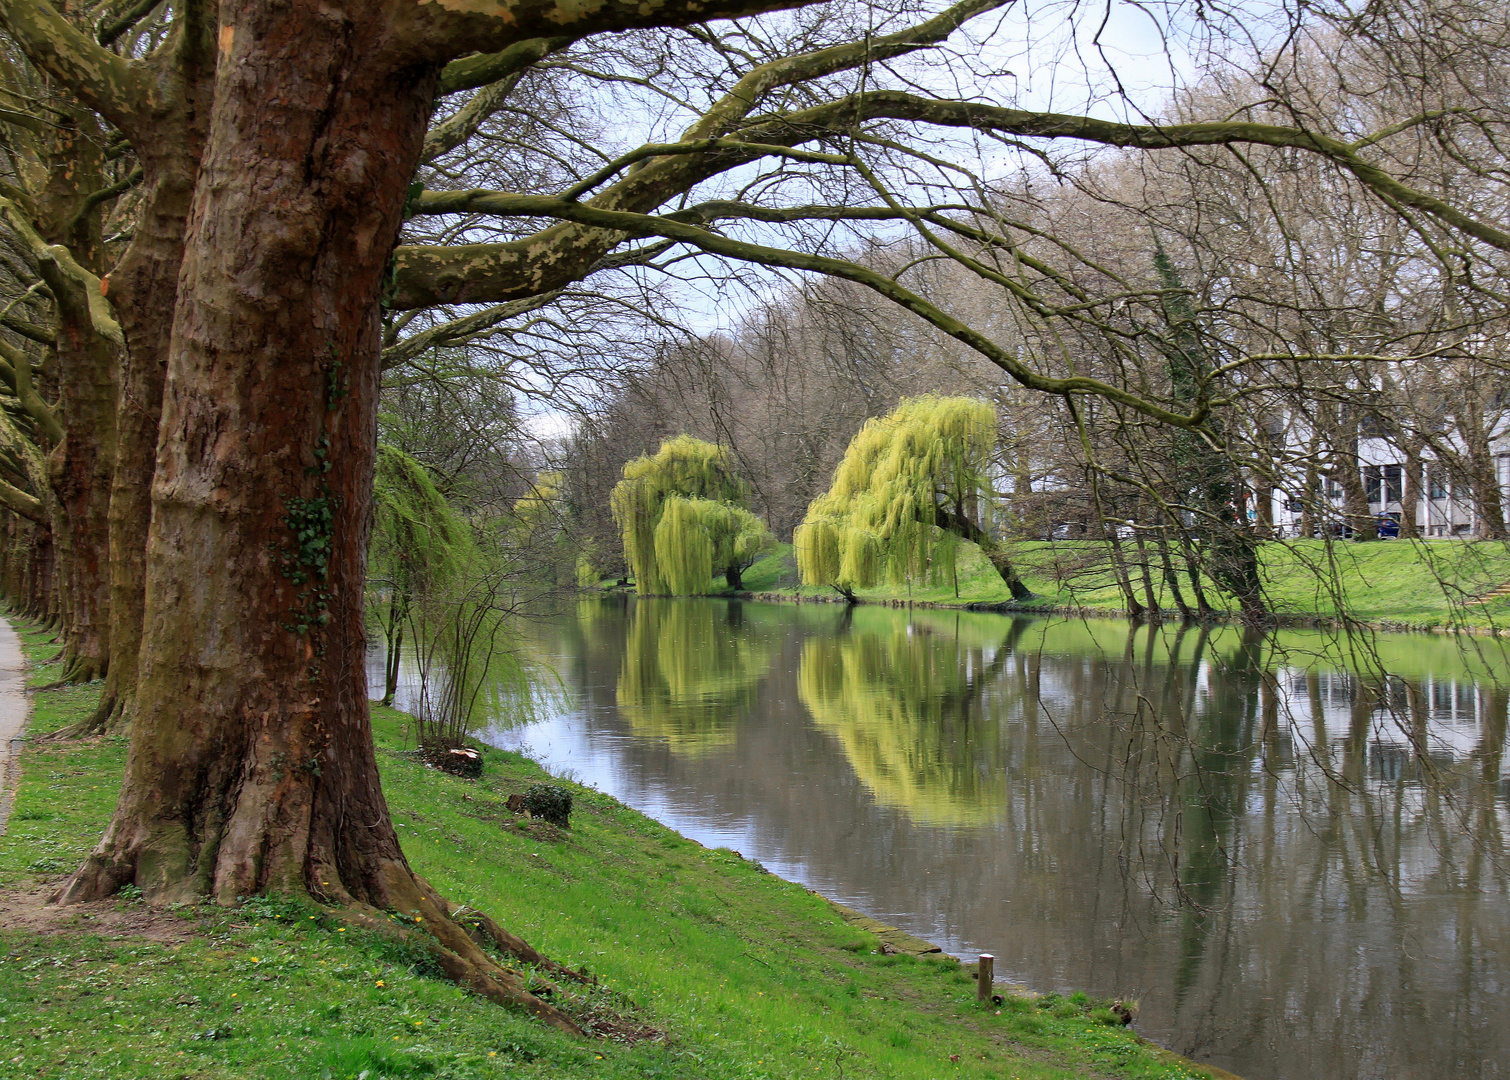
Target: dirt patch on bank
29, 910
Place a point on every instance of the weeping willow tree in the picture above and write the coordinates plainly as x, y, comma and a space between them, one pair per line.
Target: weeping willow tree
420, 546
432, 582
681, 517
903, 496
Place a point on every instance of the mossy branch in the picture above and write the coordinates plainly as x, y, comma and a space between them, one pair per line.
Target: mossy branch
104, 81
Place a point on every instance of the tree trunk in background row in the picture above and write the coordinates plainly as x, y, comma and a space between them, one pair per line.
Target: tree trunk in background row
1483, 479
87, 363
1411, 490
144, 286
82, 486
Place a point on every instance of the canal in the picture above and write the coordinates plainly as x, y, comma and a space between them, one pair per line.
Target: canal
1289, 849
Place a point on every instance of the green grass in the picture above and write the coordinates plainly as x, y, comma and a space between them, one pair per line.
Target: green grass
1414, 583
1391, 583
748, 976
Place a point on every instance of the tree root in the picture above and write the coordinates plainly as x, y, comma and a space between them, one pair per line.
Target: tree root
479, 925
458, 955
417, 915
77, 669
111, 717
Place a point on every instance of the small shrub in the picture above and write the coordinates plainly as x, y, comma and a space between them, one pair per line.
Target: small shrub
549, 803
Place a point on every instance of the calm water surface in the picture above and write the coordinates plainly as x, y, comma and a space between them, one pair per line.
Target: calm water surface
1291, 849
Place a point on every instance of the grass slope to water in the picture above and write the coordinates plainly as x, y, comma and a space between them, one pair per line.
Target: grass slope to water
748, 976
1414, 583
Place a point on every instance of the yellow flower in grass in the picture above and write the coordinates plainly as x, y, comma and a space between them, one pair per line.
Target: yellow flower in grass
381, 983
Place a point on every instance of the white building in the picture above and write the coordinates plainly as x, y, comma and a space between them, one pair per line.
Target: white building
1444, 505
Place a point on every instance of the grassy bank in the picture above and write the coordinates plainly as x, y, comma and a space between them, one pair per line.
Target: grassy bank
1389, 583
737, 973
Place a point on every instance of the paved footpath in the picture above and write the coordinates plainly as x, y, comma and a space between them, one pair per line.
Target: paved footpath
13, 709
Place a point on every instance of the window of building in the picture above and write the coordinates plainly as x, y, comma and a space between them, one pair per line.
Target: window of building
1372, 426
1436, 482
1383, 483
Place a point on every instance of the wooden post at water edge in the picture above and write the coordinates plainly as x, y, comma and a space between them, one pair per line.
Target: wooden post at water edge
985, 977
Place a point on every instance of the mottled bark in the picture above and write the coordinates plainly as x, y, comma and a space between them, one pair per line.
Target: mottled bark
251, 765
1411, 490
1340, 426
1483, 477
82, 486
40, 603
1263, 508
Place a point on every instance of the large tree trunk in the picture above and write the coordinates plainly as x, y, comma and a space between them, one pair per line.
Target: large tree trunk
1349, 474
143, 286
41, 602
1411, 491
1483, 478
252, 766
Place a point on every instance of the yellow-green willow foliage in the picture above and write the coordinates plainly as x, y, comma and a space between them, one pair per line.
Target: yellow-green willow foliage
541, 507
420, 549
680, 516
535, 530
696, 537
418, 540
684, 679
905, 705
879, 519
432, 582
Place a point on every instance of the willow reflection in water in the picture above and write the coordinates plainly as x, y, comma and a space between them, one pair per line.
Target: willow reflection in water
904, 701
1290, 847
685, 678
